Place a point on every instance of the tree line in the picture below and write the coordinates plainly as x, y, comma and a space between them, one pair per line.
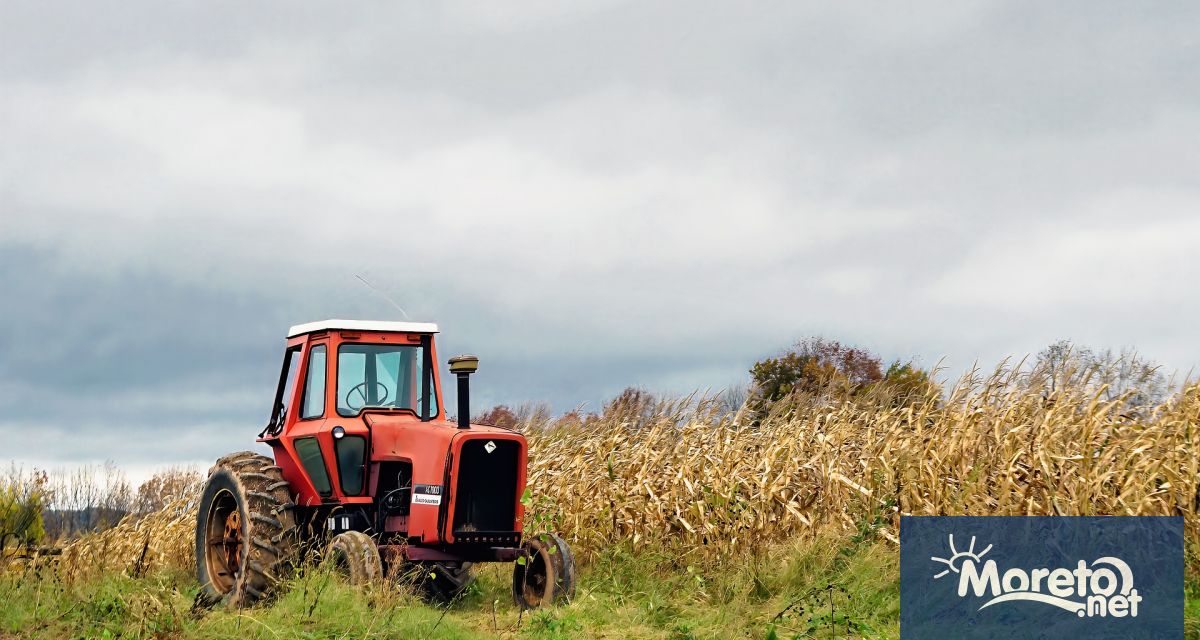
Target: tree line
37, 506
819, 368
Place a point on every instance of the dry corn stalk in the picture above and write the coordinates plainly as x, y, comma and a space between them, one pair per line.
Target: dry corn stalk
164, 539
691, 480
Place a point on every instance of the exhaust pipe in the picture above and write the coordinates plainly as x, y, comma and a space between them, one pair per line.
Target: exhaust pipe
463, 367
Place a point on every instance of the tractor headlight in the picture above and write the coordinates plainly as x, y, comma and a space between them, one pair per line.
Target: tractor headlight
338, 433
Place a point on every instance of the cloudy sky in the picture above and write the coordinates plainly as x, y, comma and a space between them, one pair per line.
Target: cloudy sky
589, 195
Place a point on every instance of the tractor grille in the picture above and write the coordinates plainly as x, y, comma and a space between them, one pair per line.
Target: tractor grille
486, 498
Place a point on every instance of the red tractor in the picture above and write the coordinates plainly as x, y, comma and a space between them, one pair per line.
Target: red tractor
367, 467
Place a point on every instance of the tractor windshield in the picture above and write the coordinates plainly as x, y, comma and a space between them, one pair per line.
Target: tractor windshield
381, 376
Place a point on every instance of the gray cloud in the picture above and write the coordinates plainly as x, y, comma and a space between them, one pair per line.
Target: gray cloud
590, 197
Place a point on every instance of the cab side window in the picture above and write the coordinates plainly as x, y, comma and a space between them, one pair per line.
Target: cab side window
313, 405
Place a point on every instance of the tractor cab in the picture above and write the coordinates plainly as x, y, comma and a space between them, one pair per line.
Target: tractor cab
354, 366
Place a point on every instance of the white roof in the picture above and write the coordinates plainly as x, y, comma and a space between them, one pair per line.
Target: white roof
362, 325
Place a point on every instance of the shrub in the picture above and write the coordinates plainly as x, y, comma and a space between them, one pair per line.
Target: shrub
22, 501
498, 416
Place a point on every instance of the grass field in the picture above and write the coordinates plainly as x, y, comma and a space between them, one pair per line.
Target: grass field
691, 522
621, 595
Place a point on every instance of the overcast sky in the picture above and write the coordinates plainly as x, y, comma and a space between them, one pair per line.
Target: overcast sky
589, 195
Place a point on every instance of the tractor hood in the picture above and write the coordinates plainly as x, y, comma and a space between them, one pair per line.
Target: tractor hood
395, 437
388, 420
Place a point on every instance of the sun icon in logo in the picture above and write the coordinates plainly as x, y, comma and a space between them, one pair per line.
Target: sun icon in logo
958, 557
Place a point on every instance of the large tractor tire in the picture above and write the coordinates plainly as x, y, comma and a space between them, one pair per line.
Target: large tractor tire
245, 531
545, 574
355, 556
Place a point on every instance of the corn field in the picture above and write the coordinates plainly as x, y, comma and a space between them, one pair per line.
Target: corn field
140, 545
685, 478
711, 485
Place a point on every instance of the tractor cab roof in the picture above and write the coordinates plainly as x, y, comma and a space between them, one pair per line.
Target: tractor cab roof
362, 325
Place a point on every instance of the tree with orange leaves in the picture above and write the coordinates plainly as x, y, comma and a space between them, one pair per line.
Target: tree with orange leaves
814, 364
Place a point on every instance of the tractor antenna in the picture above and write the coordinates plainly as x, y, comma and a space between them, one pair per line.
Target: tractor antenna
385, 296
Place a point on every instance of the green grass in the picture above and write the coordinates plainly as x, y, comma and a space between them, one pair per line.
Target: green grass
620, 595
1191, 610
782, 593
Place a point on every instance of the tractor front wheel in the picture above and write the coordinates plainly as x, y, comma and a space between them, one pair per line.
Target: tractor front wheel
545, 573
355, 556
245, 531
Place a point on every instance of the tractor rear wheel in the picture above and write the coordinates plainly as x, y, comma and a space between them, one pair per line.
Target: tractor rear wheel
545, 574
355, 556
245, 531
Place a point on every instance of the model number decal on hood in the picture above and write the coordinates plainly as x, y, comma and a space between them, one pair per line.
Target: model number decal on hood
427, 494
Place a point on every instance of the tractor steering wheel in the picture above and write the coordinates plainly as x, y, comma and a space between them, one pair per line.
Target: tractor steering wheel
361, 388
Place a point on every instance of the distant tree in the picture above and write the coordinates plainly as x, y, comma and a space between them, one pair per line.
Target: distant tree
907, 383
814, 364
576, 418
89, 498
733, 399
1063, 364
1120, 374
1127, 372
498, 416
632, 401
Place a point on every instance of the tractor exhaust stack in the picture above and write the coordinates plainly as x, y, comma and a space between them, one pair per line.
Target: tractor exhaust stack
463, 367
